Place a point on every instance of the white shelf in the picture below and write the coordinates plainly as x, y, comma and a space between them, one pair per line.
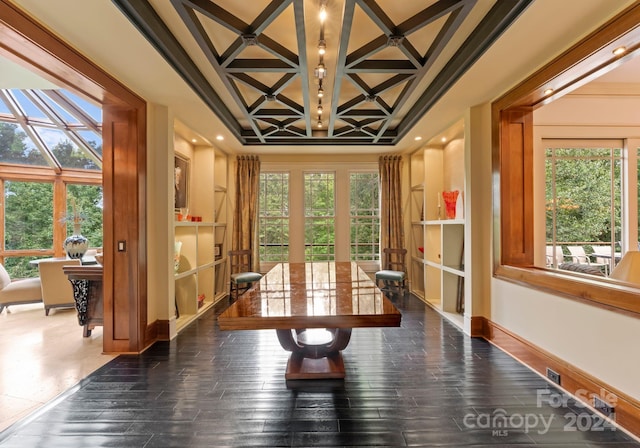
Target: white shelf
437, 275
203, 266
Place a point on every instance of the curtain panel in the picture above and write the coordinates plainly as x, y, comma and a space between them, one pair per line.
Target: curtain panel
391, 221
245, 215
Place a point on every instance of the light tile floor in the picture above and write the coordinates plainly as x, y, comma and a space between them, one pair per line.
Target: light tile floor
41, 357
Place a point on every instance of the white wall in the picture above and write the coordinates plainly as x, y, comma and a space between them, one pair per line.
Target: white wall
600, 342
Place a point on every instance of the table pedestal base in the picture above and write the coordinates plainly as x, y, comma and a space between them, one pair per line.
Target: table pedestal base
315, 356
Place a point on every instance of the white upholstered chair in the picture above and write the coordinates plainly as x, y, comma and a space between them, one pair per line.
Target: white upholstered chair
18, 292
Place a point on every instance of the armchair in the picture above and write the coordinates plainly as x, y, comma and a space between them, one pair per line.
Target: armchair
57, 291
18, 292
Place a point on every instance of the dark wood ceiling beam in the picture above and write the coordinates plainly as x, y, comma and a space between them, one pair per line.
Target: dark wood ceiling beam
451, 26
430, 14
379, 17
251, 82
276, 113
391, 83
367, 50
364, 113
232, 52
289, 103
279, 51
269, 14
261, 66
353, 102
495, 22
214, 12
383, 66
142, 15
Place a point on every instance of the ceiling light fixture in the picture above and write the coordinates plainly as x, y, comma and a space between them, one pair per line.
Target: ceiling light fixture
323, 11
321, 71
322, 47
548, 91
620, 50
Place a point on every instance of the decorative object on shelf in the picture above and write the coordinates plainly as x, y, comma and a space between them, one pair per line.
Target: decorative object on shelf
421, 249
177, 248
181, 182
450, 202
75, 245
200, 300
184, 214
439, 207
217, 251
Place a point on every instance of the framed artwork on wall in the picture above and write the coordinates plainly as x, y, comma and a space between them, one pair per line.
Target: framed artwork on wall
182, 171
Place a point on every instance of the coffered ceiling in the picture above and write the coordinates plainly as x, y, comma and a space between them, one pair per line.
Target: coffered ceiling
256, 63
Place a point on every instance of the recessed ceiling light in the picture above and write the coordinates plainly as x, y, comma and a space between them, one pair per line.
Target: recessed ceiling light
418, 138
443, 139
193, 140
548, 91
620, 50
219, 138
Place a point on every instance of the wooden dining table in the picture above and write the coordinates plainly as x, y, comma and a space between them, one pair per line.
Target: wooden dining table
313, 307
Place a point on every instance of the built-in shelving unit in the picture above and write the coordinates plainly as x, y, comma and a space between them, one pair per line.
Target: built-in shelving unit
201, 277
437, 272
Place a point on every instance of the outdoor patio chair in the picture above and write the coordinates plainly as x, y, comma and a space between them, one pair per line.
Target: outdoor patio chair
578, 255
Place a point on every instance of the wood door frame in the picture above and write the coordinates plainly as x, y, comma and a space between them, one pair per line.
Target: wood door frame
26, 42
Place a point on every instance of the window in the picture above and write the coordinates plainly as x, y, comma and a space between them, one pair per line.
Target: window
28, 224
521, 239
365, 216
88, 199
319, 213
274, 217
583, 200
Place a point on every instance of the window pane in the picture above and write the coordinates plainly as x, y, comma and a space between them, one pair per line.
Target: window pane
273, 214
16, 147
89, 203
583, 198
365, 216
319, 206
28, 220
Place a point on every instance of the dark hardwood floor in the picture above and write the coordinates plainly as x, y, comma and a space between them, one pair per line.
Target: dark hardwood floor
423, 384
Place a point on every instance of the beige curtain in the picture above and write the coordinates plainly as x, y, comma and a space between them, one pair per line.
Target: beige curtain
245, 216
391, 223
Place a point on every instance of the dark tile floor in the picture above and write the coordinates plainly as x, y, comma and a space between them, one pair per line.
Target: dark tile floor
424, 384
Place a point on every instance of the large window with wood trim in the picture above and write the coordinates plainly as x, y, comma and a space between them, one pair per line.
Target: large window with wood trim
567, 175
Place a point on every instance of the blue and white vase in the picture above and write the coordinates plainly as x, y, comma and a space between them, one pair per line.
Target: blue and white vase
76, 245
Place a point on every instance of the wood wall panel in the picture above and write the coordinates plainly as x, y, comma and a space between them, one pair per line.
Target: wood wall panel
516, 188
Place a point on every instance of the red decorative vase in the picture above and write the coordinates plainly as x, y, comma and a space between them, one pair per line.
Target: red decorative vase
450, 202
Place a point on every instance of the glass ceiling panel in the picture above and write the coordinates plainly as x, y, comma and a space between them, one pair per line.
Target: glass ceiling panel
17, 148
65, 137
94, 111
66, 152
27, 107
94, 140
